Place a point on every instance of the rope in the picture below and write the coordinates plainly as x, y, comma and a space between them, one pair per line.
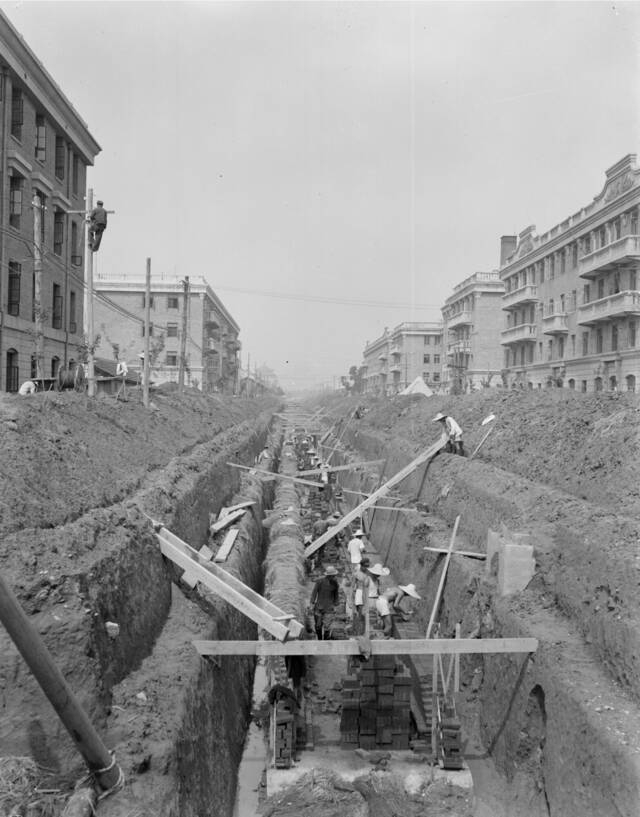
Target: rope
92, 775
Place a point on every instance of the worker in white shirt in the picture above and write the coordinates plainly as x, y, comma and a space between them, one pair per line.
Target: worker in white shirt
451, 433
355, 546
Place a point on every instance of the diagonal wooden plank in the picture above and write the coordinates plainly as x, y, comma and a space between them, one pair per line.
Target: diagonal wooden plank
231, 589
189, 578
226, 520
372, 498
382, 646
226, 510
443, 576
227, 544
272, 475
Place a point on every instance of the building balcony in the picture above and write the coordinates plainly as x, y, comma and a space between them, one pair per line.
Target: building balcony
233, 345
460, 319
395, 368
525, 332
555, 324
396, 350
459, 347
382, 356
623, 251
620, 305
523, 295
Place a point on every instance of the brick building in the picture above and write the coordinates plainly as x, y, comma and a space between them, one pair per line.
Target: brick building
397, 357
572, 299
212, 344
45, 149
472, 316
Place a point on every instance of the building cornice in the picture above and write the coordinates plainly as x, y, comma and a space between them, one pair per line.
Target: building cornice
33, 76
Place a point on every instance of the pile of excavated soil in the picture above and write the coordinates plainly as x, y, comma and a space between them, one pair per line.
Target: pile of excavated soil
64, 454
584, 444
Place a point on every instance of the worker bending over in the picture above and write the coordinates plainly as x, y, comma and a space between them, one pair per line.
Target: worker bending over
451, 434
324, 598
389, 602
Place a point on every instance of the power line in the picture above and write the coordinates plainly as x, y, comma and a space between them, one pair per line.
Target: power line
325, 299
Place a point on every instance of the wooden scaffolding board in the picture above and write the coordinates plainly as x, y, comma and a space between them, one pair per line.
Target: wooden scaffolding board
267, 615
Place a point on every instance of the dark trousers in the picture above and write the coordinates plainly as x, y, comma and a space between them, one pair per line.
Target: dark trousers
95, 236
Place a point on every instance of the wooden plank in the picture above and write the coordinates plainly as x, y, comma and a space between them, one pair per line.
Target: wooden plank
445, 567
244, 598
227, 543
190, 579
470, 553
273, 475
372, 498
382, 646
227, 520
333, 468
226, 510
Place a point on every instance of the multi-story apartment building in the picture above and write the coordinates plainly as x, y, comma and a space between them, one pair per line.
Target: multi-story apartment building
397, 357
45, 149
471, 318
211, 345
572, 298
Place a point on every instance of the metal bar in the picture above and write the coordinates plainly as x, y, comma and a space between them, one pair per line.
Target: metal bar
398, 646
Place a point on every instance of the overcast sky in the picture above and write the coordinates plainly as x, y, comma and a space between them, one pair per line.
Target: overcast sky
372, 153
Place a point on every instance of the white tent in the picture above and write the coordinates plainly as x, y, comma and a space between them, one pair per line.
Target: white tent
418, 387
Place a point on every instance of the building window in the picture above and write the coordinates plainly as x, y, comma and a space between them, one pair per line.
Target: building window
17, 113
436, 377
563, 261
76, 250
13, 294
560, 347
426, 358
34, 367
587, 244
436, 358
573, 345
634, 222
172, 302
586, 293
614, 338
583, 385
172, 359
601, 289
617, 228
585, 344
552, 267
40, 150
427, 340
58, 232
15, 201
599, 341
632, 334
632, 279
144, 302
72, 312
602, 237
574, 255
56, 320
61, 154
437, 340
55, 365
172, 330
75, 174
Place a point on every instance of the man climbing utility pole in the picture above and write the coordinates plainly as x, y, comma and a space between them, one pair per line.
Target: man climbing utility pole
94, 234
183, 339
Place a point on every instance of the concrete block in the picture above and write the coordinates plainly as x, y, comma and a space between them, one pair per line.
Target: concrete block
516, 567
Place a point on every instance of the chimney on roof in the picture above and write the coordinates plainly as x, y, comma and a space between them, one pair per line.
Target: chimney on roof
508, 245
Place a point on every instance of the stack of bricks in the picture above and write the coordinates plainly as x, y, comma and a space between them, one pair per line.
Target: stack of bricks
350, 718
450, 742
284, 749
376, 707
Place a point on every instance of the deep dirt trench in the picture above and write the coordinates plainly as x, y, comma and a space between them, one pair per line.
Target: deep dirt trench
557, 733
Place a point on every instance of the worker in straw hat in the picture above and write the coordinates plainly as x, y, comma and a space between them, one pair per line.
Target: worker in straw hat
389, 603
376, 572
355, 547
324, 598
451, 433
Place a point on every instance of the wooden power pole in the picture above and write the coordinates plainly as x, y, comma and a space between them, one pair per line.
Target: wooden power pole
88, 274
146, 363
183, 339
37, 285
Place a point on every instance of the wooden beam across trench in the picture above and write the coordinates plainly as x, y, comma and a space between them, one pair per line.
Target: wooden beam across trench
383, 646
273, 619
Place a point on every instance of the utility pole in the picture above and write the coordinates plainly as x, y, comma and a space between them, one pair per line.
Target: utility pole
146, 363
88, 306
183, 339
37, 277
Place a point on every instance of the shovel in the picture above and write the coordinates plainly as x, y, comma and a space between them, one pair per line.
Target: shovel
488, 419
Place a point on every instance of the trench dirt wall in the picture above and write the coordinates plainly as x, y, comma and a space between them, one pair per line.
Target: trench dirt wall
586, 761
106, 566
